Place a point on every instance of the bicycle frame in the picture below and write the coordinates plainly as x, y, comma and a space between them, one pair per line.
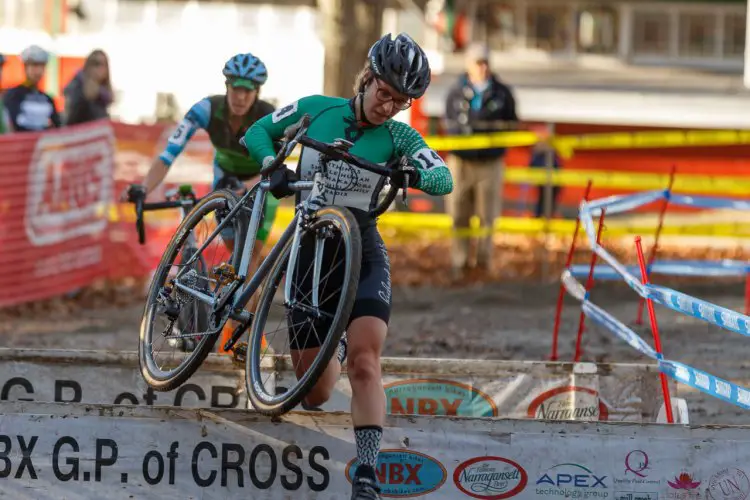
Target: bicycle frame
243, 290
247, 289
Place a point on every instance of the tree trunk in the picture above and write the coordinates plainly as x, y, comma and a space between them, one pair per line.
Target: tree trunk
350, 27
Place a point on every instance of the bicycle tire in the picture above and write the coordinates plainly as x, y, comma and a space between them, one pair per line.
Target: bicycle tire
217, 199
383, 205
278, 404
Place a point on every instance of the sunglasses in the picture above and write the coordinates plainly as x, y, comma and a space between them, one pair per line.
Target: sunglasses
383, 95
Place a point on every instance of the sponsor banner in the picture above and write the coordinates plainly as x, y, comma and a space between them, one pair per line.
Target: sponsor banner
112, 378
52, 450
54, 219
61, 226
540, 390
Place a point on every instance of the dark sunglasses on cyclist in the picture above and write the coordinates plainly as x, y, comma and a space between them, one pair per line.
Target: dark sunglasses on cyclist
383, 95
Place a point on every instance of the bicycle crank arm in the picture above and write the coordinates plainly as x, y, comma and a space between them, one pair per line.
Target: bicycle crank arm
236, 334
242, 316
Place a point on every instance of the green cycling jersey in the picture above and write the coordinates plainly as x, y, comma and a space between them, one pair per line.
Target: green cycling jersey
346, 185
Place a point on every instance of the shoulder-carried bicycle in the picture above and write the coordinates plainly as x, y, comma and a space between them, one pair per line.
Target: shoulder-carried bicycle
317, 258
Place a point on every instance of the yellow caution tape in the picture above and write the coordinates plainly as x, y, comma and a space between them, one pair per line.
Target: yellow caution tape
635, 181
423, 224
566, 144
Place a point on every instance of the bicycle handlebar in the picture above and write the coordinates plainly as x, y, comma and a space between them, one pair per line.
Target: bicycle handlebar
141, 207
338, 150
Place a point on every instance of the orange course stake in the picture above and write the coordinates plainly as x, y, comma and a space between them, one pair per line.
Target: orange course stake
652, 253
654, 330
561, 293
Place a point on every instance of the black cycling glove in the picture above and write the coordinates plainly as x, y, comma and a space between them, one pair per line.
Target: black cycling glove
279, 182
136, 192
408, 171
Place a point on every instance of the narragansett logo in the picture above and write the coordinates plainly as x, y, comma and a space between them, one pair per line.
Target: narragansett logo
568, 402
490, 478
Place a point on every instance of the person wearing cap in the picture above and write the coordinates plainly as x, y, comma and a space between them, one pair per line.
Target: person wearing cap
5, 126
226, 118
30, 109
478, 103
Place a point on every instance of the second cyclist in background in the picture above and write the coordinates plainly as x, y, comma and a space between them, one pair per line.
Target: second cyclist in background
226, 118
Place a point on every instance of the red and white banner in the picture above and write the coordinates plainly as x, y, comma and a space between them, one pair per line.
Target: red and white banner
61, 227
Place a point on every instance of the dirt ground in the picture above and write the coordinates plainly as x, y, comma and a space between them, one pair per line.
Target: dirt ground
507, 320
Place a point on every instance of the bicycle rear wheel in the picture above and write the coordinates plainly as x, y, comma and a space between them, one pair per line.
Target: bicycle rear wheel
193, 318
332, 240
166, 302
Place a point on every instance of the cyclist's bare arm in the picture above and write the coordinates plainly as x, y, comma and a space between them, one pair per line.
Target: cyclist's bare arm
196, 117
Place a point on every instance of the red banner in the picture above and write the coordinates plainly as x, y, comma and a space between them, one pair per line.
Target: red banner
61, 227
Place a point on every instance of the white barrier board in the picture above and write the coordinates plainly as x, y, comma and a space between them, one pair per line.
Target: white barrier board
520, 389
71, 451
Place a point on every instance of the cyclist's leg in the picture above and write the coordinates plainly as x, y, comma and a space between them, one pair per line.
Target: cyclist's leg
305, 339
366, 334
269, 214
227, 234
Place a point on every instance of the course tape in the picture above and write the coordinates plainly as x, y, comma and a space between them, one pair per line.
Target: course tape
686, 374
566, 144
623, 202
605, 319
423, 223
709, 202
707, 383
633, 181
724, 268
678, 301
700, 309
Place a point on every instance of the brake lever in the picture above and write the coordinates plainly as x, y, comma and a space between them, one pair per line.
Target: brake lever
405, 187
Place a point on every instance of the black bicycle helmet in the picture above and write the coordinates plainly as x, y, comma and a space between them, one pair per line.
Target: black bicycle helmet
401, 63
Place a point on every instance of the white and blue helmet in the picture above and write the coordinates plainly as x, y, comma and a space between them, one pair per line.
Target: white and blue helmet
245, 70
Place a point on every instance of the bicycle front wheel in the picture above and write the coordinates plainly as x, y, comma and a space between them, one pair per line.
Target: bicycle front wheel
323, 282
168, 320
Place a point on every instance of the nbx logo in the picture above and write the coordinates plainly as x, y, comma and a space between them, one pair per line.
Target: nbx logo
395, 473
583, 479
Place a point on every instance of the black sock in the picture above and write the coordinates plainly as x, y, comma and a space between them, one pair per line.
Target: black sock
368, 445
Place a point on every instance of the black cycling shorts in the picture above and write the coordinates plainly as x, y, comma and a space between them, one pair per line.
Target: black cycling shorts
373, 293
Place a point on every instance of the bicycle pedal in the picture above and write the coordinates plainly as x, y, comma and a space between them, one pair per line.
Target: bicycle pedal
239, 354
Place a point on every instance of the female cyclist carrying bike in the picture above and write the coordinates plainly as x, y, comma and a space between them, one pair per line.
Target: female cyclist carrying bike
396, 71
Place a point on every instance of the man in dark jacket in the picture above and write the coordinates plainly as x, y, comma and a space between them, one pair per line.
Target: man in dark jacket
30, 109
479, 103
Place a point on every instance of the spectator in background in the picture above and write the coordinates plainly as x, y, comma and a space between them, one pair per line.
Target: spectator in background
5, 126
478, 103
31, 109
89, 94
542, 152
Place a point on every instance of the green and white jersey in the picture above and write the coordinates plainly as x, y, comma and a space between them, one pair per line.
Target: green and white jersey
334, 118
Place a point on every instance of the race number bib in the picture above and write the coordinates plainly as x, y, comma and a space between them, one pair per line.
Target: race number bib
428, 158
180, 135
284, 112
